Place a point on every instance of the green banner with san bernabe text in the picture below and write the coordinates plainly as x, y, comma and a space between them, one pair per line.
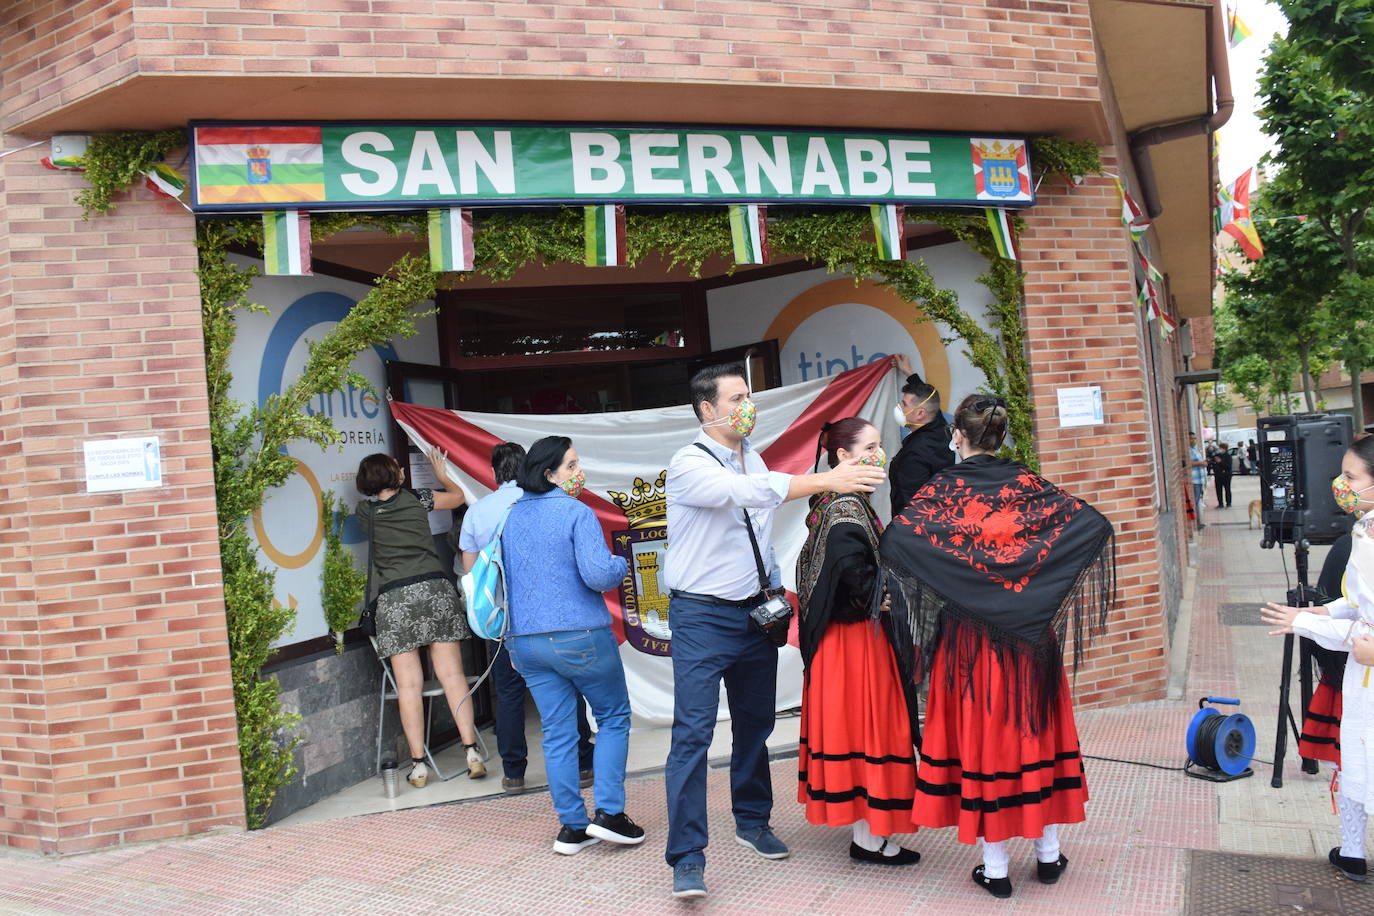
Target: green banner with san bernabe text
346, 166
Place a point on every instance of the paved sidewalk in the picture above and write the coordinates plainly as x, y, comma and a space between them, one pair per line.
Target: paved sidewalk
493, 856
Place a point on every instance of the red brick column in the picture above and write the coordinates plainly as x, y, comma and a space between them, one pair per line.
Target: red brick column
1082, 329
116, 710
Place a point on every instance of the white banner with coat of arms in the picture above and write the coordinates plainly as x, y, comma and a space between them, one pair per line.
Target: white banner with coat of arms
625, 455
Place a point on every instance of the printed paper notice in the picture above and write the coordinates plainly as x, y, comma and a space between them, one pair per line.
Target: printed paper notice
1080, 406
422, 476
123, 464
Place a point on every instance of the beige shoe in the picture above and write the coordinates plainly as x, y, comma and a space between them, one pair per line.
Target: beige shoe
419, 773
476, 767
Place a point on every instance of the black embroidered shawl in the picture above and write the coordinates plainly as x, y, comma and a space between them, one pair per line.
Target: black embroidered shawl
838, 582
989, 549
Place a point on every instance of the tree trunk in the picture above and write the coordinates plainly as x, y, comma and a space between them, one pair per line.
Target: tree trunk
1356, 397
1303, 350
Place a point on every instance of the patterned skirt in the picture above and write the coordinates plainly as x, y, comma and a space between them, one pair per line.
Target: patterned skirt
982, 774
1321, 725
419, 614
855, 760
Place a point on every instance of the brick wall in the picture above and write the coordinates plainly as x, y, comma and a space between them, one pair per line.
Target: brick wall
1032, 48
1082, 328
115, 700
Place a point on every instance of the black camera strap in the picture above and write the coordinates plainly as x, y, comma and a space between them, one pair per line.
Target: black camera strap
748, 525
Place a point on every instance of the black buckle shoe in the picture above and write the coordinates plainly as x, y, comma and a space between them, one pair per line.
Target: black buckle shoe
1354, 869
1049, 872
997, 887
904, 856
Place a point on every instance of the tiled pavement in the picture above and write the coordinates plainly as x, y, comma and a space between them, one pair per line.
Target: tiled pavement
493, 856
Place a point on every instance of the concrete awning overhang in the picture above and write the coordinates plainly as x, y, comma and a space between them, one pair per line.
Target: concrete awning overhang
1157, 56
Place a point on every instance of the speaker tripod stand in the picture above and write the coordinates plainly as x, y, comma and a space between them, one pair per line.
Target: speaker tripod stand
1303, 595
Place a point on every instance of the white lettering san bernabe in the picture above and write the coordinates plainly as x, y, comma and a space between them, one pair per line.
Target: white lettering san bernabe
428, 172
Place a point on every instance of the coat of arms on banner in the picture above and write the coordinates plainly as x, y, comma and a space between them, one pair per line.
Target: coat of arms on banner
642, 544
259, 165
1000, 170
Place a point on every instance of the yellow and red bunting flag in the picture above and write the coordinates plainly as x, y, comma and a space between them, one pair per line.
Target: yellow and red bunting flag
604, 232
1235, 216
286, 243
889, 230
1151, 273
1132, 217
164, 181
999, 224
1238, 30
450, 239
749, 233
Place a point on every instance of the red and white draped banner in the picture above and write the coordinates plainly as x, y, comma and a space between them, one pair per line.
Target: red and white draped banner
616, 449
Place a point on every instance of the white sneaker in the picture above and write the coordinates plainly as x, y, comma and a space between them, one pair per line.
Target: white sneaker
476, 767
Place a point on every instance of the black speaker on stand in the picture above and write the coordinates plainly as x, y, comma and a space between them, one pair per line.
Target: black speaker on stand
1299, 456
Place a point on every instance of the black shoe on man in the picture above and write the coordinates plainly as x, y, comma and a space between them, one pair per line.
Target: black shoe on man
615, 828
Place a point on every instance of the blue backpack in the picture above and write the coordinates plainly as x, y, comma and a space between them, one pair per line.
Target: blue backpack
485, 589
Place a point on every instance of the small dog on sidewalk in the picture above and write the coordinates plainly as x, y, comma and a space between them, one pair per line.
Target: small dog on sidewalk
1256, 514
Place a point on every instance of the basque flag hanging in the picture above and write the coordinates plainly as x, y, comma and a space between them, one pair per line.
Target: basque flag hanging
999, 223
749, 233
286, 243
889, 230
605, 235
450, 239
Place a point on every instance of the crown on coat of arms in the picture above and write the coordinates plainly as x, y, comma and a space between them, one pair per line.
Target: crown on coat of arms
999, 151
259, 152
647, 503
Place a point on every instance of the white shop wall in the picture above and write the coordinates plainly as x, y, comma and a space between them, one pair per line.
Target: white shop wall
269, 353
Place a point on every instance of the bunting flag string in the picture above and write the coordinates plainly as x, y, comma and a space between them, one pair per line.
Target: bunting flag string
889, 230
450, 239
1132, 217
749, 233
165, 181
999, 222
604, 226
1237, 30
286, 243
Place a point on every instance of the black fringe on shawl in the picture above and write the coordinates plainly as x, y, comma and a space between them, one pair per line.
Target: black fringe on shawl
923, 619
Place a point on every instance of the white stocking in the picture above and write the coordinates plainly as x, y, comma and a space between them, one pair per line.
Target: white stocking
864, 838
995, 860
1047, 847
1353, 820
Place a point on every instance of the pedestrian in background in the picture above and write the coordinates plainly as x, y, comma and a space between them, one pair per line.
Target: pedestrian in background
926, 449
557, 566
1198, 466
480, 524
1220, 463
416, 603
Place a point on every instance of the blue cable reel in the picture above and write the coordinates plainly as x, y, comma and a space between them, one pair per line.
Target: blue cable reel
1222, 746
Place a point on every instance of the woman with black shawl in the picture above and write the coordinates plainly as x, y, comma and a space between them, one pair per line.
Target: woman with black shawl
989, 568
856, 760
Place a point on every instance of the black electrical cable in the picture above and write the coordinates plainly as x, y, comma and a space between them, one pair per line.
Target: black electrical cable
1138, 763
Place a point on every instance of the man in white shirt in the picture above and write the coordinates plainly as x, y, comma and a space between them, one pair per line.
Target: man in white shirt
713, 579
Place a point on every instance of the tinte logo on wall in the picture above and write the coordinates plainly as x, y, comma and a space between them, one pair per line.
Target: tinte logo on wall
269, 354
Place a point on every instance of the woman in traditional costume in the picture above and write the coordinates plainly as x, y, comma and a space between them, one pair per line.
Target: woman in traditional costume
990, 567
1347, 625
856, 761
1321, 721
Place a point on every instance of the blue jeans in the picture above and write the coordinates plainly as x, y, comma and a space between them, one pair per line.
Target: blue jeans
711, 643
557, 667
509, 688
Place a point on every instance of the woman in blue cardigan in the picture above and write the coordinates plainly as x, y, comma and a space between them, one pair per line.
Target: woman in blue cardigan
560, 640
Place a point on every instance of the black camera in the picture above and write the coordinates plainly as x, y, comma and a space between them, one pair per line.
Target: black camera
772, 616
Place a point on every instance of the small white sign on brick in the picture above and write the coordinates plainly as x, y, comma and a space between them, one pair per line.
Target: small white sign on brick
123, 464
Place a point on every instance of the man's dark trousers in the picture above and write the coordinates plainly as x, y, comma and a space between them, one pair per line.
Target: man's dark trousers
509, 688
712, 642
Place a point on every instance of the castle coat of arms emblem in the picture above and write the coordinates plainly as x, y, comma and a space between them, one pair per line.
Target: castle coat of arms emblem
642, 545
259, 165
1000, 170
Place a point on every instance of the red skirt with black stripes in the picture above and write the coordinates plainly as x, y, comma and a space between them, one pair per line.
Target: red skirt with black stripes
982, 774
855, 757
1321, 725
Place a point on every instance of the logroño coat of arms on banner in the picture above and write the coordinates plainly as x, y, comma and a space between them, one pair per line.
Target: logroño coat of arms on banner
642, 544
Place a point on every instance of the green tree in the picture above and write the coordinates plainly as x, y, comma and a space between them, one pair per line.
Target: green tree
1323, 130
